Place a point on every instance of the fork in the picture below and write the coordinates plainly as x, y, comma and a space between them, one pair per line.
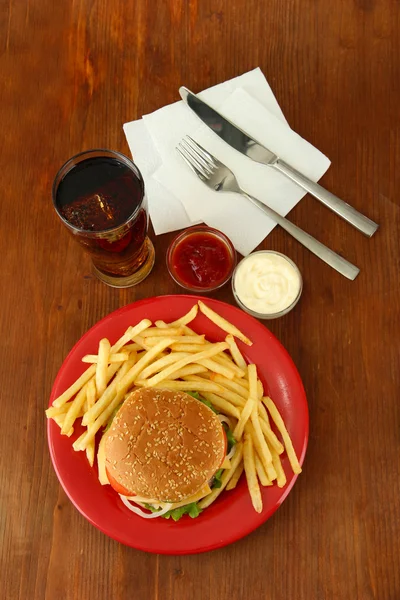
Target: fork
220, 178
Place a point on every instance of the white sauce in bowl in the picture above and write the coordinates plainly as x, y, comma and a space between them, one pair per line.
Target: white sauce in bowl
267, 282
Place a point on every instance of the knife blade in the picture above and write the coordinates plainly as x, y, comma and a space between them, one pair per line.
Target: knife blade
227, 131
241, 141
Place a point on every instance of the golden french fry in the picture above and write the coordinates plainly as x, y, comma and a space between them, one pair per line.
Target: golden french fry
225, 360
108, 394
223, 323
55, 411
226, 394
280, 473
260, 390
243, 383
142, 363
250, 403
244, 417
187, 318
269, 435
234, 386
186, 371
277, 419
101, 462
215, 367
252, 377
162, 332
185, 328
269, 467
102, 364
78, 441
177, 339
74, 410
141, 342
124, 339
235, 352
225, 478
113, 358
129, 334
251, 475
260, 443
164, 374
90, 453
271, 473
162, 362
75, 387
132, 347
91, 393
222, 404
59, 419
178, 347
236, 476
262, 476
226, 464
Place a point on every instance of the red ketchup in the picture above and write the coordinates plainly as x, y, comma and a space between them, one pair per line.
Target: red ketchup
201, 259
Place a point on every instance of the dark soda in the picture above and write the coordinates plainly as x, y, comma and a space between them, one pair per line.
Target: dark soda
102, 200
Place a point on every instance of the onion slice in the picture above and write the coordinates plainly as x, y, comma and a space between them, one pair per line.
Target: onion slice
138, 511
226, 420
231, 453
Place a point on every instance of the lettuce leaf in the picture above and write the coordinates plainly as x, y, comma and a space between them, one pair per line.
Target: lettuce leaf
203, 400
192, 510
217, 479
230, 437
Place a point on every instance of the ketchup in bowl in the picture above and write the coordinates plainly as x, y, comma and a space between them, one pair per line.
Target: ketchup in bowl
201, 259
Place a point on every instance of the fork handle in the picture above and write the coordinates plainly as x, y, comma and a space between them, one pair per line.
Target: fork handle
332, 259
341, 208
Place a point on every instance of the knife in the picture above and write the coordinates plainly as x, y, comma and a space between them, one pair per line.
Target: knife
241, 141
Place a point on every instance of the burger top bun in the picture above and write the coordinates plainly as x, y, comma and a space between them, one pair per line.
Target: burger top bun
164, 445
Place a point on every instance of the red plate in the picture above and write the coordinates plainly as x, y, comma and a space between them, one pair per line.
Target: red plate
232, 516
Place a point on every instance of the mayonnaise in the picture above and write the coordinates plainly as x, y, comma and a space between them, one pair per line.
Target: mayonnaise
267, 282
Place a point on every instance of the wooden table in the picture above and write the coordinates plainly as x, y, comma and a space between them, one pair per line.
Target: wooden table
72, 74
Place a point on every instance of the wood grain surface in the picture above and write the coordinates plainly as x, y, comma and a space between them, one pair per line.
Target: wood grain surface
72, 72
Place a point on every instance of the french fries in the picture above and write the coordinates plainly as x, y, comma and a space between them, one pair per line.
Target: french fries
174, 356
234, 350
277, 419
208, 353
223, 323
101, 367
251, 474
112, 358
235, 477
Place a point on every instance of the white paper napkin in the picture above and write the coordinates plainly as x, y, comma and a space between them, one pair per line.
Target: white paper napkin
178, 199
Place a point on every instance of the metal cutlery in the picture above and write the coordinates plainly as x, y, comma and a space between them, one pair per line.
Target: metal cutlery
242, 142
220, 178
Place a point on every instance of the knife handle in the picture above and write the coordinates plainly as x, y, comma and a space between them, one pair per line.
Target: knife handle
341, 208
337, 262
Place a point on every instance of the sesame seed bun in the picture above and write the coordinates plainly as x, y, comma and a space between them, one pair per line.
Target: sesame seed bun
164, 445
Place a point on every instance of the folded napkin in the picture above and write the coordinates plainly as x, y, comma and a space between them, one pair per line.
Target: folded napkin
178, 199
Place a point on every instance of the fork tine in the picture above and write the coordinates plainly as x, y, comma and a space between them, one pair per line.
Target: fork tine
188, 160
204, 153
194, 160
197, 157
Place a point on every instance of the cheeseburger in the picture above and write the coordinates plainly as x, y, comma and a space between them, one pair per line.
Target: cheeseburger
163, 452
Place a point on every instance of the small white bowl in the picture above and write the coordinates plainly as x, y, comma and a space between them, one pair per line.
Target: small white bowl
273, 315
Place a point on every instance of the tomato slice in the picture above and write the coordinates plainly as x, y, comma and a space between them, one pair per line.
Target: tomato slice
120, 489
